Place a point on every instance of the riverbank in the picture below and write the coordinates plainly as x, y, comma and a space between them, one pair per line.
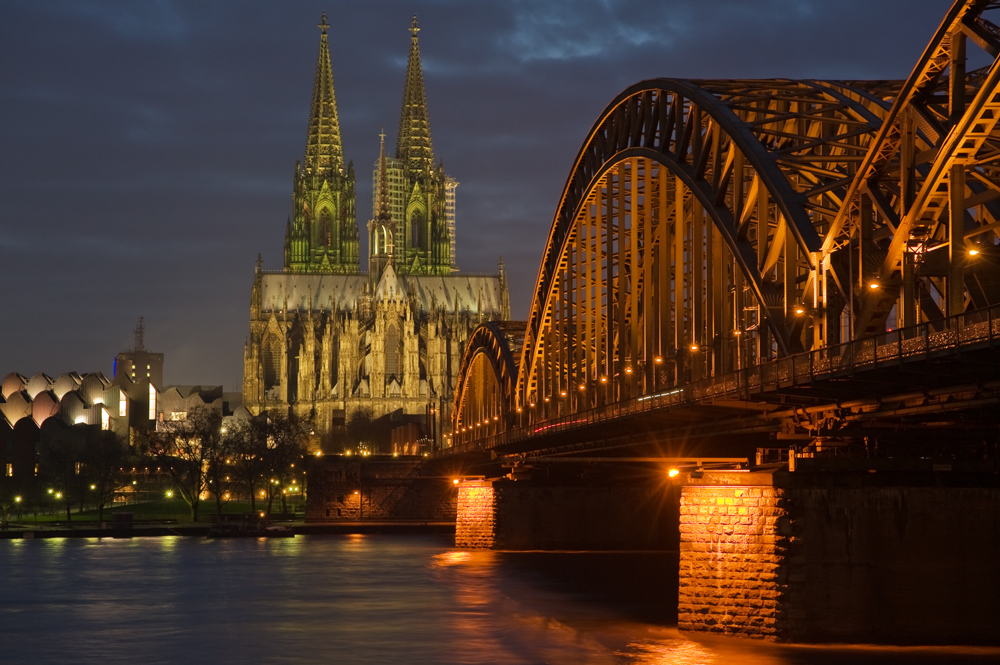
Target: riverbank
201, 530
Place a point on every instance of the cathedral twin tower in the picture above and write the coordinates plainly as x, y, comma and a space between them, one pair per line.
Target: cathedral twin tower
412, 226
328, 341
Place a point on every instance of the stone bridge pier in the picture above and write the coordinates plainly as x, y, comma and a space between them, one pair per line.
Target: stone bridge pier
546, 512
851, 556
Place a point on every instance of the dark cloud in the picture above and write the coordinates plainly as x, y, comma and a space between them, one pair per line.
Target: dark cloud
147, 148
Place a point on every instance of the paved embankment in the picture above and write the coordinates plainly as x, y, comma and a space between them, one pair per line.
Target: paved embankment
442, 528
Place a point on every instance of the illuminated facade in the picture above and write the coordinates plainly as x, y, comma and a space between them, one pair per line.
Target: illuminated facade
328, 340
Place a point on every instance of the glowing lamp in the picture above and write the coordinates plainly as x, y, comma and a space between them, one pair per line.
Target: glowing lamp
873, 286
455, 482
973, 252
657, 359
673, 472
694, 347
628, 370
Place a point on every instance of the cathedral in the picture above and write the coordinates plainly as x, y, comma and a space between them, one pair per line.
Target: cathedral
327, 340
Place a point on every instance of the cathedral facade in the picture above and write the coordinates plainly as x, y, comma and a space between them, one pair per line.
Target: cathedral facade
328, 340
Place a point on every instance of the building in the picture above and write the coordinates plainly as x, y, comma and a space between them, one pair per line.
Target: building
328, 340
144, 373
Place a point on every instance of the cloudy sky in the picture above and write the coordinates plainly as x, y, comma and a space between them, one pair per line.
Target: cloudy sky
147, 148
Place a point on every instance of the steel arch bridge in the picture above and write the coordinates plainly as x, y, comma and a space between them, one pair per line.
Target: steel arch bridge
711, 226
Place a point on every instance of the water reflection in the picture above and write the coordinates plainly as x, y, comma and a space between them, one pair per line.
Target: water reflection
360, 599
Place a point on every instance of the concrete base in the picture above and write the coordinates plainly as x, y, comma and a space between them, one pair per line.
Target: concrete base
841, 557
504, 514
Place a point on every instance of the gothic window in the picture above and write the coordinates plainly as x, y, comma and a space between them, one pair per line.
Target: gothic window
385, 239
272, 361
325, 228
417, 230
393, 351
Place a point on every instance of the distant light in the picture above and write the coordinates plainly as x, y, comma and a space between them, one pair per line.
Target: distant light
799, 310
737, 332
657, 359
58, 495
562, 393
546, 399
604, 379
673, 472
519, 409
694, 347
628, 370
973, 252
17, 499
583, 386
873, 286
93, 487
170, 494
455, 482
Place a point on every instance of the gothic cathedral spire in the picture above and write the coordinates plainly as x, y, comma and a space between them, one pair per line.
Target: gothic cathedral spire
323, 233
413, 144
382, 228
323, 149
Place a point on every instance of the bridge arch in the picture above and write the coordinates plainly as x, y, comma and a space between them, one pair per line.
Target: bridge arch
484, 401
687, 237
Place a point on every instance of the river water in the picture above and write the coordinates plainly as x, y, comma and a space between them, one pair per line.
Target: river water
360, 599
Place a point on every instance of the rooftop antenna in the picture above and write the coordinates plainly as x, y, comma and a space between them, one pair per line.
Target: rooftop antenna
139, 330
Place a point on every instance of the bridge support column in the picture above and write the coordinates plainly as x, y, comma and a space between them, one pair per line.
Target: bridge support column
841, 557
504, 514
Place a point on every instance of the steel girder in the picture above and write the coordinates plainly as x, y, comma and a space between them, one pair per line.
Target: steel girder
767, 162
930, 181
487, 378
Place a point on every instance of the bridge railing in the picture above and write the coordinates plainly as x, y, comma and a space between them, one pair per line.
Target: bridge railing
933, 339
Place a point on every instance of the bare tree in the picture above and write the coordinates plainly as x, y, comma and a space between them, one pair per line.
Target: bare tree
103, 457
188, 449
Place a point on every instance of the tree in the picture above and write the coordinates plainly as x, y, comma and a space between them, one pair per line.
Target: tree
285, 448
60, 461
103, 457
364, 431
187, 449
248, 447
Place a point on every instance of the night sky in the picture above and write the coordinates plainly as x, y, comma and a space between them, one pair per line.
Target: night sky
147, 148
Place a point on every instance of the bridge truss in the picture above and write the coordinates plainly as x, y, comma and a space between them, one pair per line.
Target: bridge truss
707, 227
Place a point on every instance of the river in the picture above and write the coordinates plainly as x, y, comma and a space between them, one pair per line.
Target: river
361, 599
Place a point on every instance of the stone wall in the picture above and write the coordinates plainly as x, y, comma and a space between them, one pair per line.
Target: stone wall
532, 515
351, 490
474, 523
840, 557
733, 551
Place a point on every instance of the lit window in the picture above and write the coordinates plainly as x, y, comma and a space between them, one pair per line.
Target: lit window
105, 419
178, 415
76, 468
122, 404
152, 402
10, 470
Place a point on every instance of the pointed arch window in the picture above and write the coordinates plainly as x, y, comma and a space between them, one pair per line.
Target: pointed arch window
417, 239
271, 361
325, 228
393, 352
